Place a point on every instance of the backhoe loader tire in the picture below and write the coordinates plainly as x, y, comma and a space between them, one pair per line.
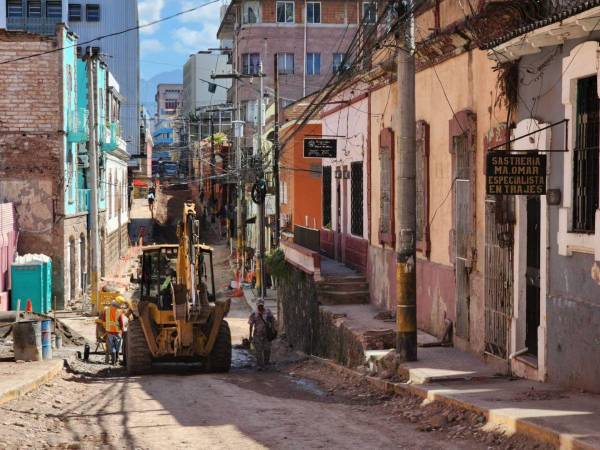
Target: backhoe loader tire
219, 360
138, 356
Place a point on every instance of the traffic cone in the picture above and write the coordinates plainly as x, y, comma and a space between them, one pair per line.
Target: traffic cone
29, 307
237, 292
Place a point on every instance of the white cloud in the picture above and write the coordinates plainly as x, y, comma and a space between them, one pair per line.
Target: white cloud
188, 40
149, 11
204, 15
151, 46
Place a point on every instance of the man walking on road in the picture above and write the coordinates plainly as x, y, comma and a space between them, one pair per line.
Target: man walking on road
262, 328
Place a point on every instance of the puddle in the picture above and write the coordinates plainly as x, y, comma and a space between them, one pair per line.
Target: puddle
241, 359
307, 385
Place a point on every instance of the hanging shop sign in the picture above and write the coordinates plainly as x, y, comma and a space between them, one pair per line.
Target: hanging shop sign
320, 148
515, 174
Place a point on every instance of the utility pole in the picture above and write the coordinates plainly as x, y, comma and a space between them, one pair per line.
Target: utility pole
260, 220
276, 154
213, 159
93, 178
406, 278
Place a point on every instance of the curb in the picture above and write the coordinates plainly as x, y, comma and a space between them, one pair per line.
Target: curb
28, 386
522, 426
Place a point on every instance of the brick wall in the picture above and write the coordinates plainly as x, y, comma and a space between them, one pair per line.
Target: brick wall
32, 145
332, 11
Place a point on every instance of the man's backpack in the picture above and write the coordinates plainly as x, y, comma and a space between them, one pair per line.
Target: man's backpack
271, 330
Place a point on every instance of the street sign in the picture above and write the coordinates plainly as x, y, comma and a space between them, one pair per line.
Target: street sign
320, 148
515, 174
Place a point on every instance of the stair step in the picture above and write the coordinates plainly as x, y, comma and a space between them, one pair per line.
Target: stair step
349, 286
342, 279
344, 297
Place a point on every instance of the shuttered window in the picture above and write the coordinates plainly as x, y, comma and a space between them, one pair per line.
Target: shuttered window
386, 208
356, 198
585, 157
54, 8
327, 196
422, 187
14, 8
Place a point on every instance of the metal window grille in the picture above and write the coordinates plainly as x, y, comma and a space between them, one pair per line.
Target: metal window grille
585, 157
356, 198
498, 282
54, 8
327, 196
92, 13
14, 8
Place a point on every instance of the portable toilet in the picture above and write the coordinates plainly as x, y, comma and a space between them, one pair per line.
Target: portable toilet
46, 277
28, 284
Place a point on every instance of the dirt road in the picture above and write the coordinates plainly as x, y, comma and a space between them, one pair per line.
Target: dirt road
293, 406
297, 405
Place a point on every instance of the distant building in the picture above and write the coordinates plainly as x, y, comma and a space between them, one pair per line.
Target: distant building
89, 20
199, 90
168, 100
310, 39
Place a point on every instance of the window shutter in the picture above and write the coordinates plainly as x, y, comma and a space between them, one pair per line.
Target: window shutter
422, 187
386, 164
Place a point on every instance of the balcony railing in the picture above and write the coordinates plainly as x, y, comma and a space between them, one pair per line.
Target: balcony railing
111, 139
83, 200
77, 125
37, 25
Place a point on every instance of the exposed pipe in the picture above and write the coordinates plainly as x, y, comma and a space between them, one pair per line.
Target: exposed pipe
518, 353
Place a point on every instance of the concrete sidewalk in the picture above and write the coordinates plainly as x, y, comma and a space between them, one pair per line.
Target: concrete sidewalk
17, 379
547, 413
565, 419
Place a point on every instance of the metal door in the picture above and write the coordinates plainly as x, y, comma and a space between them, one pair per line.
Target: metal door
463, 229
498, 281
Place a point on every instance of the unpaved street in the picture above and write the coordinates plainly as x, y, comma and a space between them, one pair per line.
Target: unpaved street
297, 404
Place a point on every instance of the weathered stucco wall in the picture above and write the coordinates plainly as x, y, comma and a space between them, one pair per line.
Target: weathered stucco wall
572, 352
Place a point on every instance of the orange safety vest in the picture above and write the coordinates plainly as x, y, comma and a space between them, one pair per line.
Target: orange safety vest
111, 320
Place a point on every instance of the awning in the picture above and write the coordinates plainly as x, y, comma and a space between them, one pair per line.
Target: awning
139, 183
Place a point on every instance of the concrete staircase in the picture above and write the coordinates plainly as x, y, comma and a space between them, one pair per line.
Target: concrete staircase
343, 290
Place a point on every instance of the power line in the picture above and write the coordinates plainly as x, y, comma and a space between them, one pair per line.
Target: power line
117, 33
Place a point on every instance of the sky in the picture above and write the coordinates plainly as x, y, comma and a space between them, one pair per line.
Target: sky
166, 46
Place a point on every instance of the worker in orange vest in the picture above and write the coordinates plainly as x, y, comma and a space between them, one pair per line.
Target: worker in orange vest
112, 316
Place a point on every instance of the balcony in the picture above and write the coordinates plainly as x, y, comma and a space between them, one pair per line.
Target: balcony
83, 200
111, 137
37, 25
77, 125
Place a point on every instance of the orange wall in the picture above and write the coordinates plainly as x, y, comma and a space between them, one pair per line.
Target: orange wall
303, 187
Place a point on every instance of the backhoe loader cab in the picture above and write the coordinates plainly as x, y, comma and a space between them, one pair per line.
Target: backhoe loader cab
159, 265
177, 317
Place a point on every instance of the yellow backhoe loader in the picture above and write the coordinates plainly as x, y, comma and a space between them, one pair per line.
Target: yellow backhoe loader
177, 317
